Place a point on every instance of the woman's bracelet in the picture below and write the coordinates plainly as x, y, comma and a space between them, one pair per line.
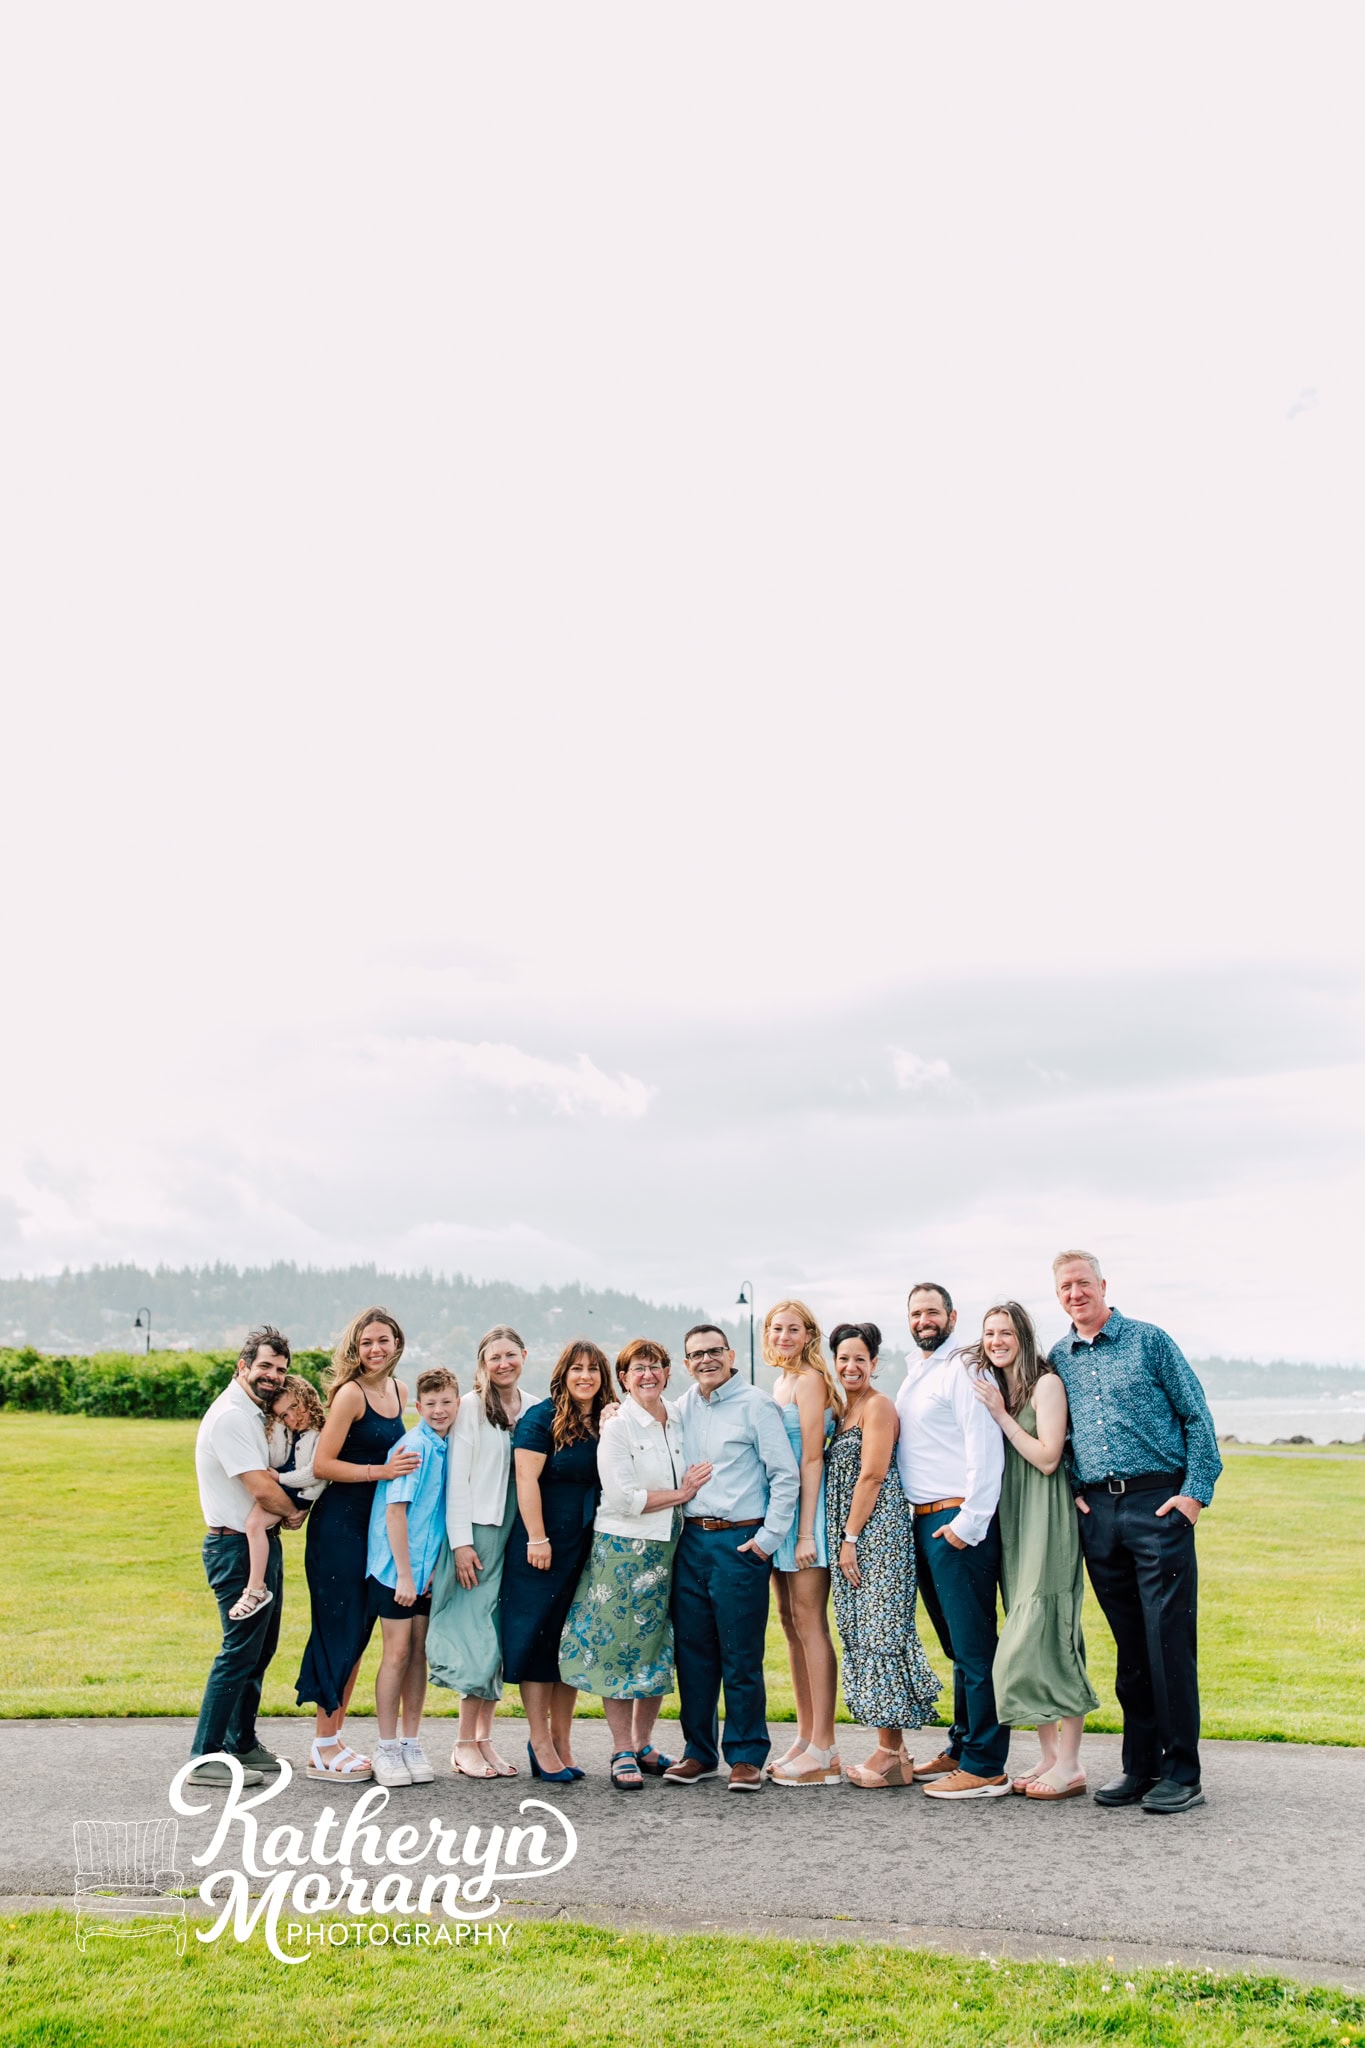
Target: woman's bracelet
535, 1542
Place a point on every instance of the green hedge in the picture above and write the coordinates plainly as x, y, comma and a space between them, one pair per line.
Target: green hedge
162, 1383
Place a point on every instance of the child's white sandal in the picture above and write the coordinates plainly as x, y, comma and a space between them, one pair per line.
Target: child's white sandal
345, 1764
251, 1602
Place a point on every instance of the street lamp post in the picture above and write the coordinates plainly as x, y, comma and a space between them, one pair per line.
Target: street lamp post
746, 1300
143, 1321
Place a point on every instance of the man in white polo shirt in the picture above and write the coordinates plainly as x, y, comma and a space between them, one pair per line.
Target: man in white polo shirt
232, 1464
951, 1457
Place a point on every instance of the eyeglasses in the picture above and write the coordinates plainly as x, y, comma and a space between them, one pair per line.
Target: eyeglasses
705, 1357
647, 1365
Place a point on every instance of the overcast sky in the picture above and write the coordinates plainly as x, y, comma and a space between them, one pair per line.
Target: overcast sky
672, 647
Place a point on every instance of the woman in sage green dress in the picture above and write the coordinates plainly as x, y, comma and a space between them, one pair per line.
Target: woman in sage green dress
1039, 1672
464, 1639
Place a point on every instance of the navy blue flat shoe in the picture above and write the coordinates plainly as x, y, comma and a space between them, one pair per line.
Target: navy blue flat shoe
550, 1777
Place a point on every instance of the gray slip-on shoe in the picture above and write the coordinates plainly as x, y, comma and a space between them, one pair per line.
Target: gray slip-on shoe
213, 1771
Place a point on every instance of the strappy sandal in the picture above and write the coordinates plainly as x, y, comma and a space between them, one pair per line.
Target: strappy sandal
1039, 1789
653, 1762
459, 1769
625, 1771
899, 1773
346, 1764
805, 1770
251, 1602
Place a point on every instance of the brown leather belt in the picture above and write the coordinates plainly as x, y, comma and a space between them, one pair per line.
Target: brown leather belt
935, 1507
710, 1522
225, 1532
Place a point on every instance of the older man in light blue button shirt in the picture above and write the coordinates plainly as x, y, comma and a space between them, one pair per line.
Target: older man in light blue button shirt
721, 1574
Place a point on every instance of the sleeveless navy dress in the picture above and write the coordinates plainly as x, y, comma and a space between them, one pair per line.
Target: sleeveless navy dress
336, 1546
535, 1604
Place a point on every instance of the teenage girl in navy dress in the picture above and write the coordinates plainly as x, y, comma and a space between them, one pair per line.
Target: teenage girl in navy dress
355, 1452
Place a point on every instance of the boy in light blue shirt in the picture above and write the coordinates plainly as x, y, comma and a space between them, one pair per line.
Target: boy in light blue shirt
407, 1529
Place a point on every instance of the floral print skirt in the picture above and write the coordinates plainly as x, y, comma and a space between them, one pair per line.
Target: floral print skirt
618, 1639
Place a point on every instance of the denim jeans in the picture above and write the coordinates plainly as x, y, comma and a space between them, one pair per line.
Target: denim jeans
232, 1697
958, 1591
720, 1622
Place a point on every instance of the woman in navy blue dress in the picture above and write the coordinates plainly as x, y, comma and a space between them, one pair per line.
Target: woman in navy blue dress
355, 1452
554, 1450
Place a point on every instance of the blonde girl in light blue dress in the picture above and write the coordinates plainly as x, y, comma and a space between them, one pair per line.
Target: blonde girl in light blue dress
810, 1399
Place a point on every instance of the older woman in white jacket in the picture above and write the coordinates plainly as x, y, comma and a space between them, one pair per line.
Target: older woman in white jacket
618, 1639
464, 1641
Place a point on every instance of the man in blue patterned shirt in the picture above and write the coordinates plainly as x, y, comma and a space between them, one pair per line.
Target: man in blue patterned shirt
1143, 1460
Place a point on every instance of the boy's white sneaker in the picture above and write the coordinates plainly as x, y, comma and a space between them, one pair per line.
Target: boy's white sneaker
390, 1766
415, 1757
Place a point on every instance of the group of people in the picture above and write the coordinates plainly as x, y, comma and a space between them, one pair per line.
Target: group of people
608, 1537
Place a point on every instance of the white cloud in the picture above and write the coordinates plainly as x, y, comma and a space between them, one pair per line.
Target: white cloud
568, 1086
912, 1072
851, 693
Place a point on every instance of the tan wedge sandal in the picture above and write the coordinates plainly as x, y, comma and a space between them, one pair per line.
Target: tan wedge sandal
899, 1773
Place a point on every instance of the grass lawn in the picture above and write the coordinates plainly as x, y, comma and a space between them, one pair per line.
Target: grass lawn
104, 1608
558, 1983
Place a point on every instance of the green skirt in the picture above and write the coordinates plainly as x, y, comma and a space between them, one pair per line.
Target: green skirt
464, 1639
618, 1639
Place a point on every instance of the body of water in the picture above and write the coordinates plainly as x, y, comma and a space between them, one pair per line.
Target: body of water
1257, 1420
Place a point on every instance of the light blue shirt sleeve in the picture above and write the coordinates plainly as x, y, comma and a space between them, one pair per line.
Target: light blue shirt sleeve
784, 1476
407, 1486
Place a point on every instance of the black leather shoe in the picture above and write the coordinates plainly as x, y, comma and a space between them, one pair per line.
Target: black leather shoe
1125, 1790
1168, 1797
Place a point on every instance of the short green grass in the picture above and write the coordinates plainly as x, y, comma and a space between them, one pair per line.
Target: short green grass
563, 1984
104, 1608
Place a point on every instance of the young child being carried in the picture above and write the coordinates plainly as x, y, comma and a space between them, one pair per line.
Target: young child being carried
407, 1529
298, 1411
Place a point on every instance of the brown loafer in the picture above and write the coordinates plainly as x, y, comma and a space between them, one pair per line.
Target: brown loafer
689, 1772
938, 1766
745, 1778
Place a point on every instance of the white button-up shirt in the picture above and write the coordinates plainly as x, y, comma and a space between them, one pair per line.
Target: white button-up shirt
950, 1446
637, 1456
231, 1441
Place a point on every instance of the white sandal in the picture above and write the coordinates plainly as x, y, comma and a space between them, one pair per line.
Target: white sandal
345, 1764
251, 1602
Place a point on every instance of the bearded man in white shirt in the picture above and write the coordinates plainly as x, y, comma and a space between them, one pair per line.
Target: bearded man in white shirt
951, 1458
232, 1465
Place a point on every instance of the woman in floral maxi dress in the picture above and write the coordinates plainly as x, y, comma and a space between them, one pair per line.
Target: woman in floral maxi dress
887, 1682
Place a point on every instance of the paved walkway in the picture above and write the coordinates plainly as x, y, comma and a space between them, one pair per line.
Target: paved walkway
1266, 1875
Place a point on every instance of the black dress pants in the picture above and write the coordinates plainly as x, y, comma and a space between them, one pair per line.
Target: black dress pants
1142, 1568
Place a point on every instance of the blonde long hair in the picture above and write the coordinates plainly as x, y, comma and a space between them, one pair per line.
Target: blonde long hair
812, 1358
346, 1365
490, 1395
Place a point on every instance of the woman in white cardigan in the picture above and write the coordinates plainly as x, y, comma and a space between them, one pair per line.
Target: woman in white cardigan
618, 1639
464, 1641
